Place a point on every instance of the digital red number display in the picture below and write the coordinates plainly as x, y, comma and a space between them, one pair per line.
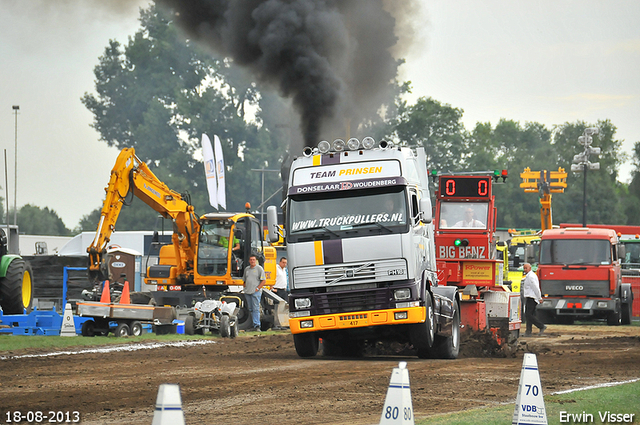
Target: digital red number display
464, 187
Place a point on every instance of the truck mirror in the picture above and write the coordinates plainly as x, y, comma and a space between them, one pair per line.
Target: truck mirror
529, 254
425, 210
622, 251
272, 225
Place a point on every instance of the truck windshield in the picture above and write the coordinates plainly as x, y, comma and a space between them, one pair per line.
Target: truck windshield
632, 255
575, 251
455, 215
213, 248
382, 209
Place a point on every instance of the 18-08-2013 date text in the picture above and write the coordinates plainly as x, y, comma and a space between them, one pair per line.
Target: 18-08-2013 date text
41, 417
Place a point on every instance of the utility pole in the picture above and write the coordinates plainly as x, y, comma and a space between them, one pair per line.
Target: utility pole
16, 108
262, 171
581, 164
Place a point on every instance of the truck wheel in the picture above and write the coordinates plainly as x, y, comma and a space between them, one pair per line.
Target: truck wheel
136, 328
122, 330
225, 327
423, 334
448, 347
16, 289
88, 328
627, 311
614, 318
189, 325
306, 344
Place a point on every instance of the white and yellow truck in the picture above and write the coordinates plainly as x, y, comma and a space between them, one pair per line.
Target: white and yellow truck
361, 253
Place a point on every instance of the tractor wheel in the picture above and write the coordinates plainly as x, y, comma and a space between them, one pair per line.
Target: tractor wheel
136, 328
122, 330
16, 288
225, 326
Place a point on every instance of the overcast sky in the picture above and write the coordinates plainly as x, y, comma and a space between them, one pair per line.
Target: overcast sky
545, 61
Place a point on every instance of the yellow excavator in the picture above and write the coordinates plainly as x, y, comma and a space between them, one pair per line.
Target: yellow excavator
207, 254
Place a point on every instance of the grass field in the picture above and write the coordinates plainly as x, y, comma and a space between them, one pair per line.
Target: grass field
620, 399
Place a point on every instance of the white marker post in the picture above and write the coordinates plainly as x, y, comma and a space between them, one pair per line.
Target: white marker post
168, 406
397, 406
530, 402
68, 327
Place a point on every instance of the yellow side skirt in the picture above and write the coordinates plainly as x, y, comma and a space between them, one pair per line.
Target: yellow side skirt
356, 319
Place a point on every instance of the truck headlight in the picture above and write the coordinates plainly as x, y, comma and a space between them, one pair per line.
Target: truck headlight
305, 324
301, 303
400, 315
402, 294
602, 304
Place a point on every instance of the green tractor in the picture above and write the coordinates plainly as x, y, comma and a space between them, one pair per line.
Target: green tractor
16, 288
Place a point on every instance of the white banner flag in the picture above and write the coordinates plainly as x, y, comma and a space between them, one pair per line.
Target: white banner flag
210, 170
222, 197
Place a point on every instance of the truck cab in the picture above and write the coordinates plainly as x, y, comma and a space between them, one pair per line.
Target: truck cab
360, 249
580, 276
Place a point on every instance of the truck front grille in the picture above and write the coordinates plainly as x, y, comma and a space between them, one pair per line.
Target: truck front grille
589, 288
342, 302
349, 273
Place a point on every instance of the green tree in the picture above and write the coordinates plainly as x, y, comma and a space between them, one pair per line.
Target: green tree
159, 94
604, 205
437, 128
34, 220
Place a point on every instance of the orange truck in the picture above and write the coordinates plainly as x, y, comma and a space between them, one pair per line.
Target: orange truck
629, 237
580, 272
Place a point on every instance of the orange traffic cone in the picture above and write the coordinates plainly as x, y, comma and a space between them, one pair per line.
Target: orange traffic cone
106, 296
124, 298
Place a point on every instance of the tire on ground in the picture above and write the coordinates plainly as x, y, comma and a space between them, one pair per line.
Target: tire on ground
189, 325
88, 328
16, 288
122, 330
234, 328
627, 312
136, 328
422, 334
448, 347
306, 344
225, 326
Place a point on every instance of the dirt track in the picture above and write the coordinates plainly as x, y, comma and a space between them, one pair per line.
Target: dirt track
259, 379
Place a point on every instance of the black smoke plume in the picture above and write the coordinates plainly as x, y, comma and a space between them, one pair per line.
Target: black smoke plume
331, 57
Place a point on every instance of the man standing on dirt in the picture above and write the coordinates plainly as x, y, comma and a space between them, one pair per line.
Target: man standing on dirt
533, 297
280, 287
254, 280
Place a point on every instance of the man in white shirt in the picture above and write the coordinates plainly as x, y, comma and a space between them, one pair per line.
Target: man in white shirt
468, 220
280, 287
533, 297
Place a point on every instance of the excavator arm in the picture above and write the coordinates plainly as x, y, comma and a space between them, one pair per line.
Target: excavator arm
130, 175
544, 183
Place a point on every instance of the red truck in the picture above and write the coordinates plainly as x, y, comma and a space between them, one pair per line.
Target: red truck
580, 276
467, 254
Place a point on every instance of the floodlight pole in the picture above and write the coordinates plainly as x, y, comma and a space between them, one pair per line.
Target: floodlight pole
584, 196
581, 164
16, 108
